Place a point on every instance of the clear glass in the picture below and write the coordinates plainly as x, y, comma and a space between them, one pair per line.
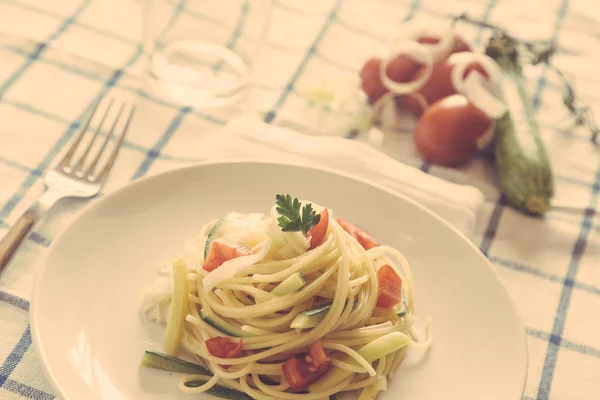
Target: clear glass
200, 53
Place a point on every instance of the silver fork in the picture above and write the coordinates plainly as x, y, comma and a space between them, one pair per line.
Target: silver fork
69, 179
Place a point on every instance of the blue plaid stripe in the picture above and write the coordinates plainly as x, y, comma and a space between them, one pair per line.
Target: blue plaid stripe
14, 164
153, 154
15, 356
91, 28
126, 144
486, 16
312, 49
25, 391
32, 177
35, 54
567, 344
565, 297
95, 77
543, 275
14, 301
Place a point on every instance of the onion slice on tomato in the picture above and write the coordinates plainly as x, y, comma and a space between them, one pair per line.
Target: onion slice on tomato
414, 30
487, 137
484, 93
419, 53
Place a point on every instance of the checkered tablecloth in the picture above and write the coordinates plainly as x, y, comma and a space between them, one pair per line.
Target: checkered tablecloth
58, 56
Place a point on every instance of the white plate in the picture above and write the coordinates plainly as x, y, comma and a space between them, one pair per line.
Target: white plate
85, 314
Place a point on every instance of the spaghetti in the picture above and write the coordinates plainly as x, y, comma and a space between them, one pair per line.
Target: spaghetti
284, 313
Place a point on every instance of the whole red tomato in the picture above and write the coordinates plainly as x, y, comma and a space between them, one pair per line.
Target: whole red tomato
450, 131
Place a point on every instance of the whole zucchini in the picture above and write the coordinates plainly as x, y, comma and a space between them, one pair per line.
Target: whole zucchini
523, 167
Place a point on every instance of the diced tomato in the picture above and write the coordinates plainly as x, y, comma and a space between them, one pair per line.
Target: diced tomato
318, 232
363, 237
390, 285
224, 347
301, 372
316, 357
221, 252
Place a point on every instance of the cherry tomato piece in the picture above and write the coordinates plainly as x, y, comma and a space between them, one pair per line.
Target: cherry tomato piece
219, 252
318, 232
300, 372
390, 285
363, 237
224, 347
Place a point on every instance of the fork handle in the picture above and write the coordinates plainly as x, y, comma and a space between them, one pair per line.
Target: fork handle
13, 239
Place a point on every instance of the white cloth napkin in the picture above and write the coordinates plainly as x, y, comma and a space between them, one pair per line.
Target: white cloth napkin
249, 137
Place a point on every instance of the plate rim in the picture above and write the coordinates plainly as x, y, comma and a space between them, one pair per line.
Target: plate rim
42, 264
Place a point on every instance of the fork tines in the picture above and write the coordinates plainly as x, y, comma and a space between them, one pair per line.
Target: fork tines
121, 117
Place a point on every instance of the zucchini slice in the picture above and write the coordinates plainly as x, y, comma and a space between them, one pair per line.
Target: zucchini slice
152, 359
310, 318
220, 324
291, 284
402, 308
213, 234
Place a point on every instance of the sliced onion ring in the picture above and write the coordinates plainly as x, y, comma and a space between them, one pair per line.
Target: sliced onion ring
420, 99
484, 95
487, 137
415, 29
419, 53
489, 66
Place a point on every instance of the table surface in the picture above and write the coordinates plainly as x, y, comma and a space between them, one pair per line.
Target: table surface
57, 56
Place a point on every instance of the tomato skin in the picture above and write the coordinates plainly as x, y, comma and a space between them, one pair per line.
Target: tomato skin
318, 232
371, 81
439, 84
403, 69
460, 45
300, 372
224, 347
447, 133
400, 69
390, 286
428, 40
363, 237
219, 252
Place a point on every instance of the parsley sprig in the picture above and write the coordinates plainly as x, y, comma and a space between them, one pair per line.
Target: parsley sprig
290, 219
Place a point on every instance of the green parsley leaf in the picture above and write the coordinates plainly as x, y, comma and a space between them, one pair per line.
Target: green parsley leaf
290, 219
